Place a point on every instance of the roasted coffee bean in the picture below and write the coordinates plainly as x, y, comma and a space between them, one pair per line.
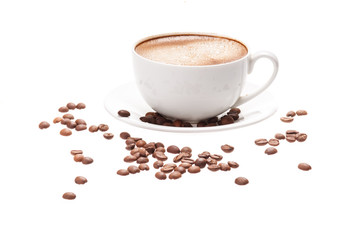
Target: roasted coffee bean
187, 124
108, 136
204, 154
227, 148
233, 116
122, 172
214, 167
217, 157
287, 119
65, 121
71, 124
291, 139
301, 112
68, 116
172, 165
185, 165
270, 151
211, 161
212, 120
175, 175
144, 167
200, 162
160, 175
143, 152
291, 114
241, 181
291, 132
173, 149
160, 156
124, 135
178, 123
194, 169
178, 158
158, 164
63, 109
57, 119
44, 125
69, 196
74, 152
80, 106
186, 150
103, 127
71, 105
80, 121
130, 141
79, 158
180, 169
161, 120
142, 160
160, 149
135, 150
80, 127
65, 132
169, 124
123, 113
304, 166
130, 158
187, 160
233, 164
150, 147
274, 142
159, 144
211, 125
235, 110
87, 160
301, 137
186, 154
133, 169
93, 128
261, 141
80, 180
140, 143
224, 167
166, 169
144, 119
226, 120
130, 146
279, 136
201, 124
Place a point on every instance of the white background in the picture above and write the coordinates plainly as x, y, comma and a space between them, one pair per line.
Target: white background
54, 52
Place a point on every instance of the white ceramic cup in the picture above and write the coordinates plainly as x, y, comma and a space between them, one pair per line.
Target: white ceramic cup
194, 93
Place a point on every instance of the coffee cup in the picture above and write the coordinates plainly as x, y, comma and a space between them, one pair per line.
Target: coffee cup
195, 76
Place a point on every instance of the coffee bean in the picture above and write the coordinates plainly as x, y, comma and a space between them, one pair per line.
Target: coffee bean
87, 160
187, 160
291, 132
234, 116
287, 119
79, 158
186, 150
69, 196
201, 124
130, 158
123, 113
145, 119
133, 169
227, 148
143, 152
301, 137
200, 162
180, 169
80, 121
71, 105
150, 147
226, 120
185, 165
130, 141
279, 136
44, 125
166, 169
65, 132
233, 164
124, 135
63, 109
214, 167
158, 164
80, 127
224, 167
130, 146
304, 166
160, 156
178, 158
274, 142
71, 124
301, 112
144, 167
65, 121
261, 141
93, 128
80, 180
57, 119
160, 175
142, 160
140, 143
108, 136
217, 157
175, 175
103, 127
74, 152
291, 114
160, 149
187, 124
159, 144
270, 151
178, 123
186, 154
194, 169
290, 139
68, 116
241, 181
235, 110
80, 106
204, 154
122, 172
211, 161
173, 149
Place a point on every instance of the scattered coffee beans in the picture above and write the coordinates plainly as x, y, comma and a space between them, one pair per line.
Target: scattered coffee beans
71, 105
63, 109
123, 113
103, 127
241, 181
233, 164
144, 167
173, 149
71, 124
304, 166
122, 172
87, 160
287, 119
160, 175
279, 136
194, 169
290, 139
224, 167
271, 151
182, 170
124, 135
274, 142
301, 112
133, 169
175, 175
44, 125
80, 106
57, 119
80, 121
291, 114
158, 164
65, 132
261, 141
80, 180
200, 162
69, 196
108, 136
80, 127
301, 137
214, 167
227, 148
93, 128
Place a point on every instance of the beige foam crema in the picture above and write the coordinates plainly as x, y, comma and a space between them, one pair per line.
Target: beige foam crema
191, 50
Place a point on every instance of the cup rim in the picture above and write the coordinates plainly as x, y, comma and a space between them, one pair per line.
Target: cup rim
189, 33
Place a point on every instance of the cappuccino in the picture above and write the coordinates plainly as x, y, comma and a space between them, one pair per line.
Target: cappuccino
191, 50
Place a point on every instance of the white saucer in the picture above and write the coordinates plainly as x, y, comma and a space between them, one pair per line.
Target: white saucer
128, 97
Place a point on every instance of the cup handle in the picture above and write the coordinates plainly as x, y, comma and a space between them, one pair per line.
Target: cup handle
252, 59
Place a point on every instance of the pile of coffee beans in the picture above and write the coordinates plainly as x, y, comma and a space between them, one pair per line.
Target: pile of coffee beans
291, 114
156, 118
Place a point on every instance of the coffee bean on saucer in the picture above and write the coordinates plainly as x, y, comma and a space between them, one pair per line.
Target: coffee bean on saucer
301, 112
279, 136
103, 127
304, 166
144, 167
227, 148
108, 136
57, 119
80, 127
160, 175
261, 141
124, 135
226, 120
224, 167
93, 128
214, 167
44, 125
123, 113
79, 158
200, 162
271, 151
69, 196
80, 121
71, 105
287, 119
87, 160
133, 169
178, 123
235, 110
274, 142
241, 181
80, 106
194, 169
175, 175
173, 149
122, 172
65, 132
71, 124
158, 164
201, 124
301, 137
233, 116
74, 152
233, 164
291, 114
63, 109
187, 124
68, 116
80, 180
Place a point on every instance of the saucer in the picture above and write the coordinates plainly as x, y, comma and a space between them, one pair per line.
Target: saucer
128, 97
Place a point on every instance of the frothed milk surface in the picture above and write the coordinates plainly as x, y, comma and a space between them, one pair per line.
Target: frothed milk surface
192, 50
